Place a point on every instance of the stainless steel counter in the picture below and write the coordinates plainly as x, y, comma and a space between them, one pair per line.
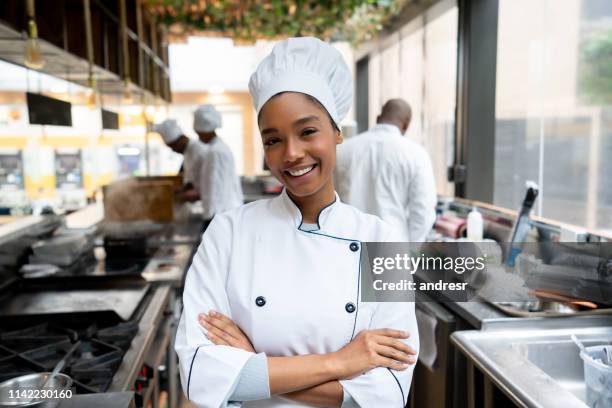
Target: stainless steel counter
147, 328
478, 314
483, 316
534, 362
14, 229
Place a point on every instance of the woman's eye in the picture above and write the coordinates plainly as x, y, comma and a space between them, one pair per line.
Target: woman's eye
309, 131
270, 142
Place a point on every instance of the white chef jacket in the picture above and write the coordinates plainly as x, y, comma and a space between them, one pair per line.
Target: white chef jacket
192, 160
218, 184
384, 173
289, 290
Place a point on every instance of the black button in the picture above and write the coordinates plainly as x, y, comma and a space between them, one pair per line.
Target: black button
349, 307
260, 301
354, 246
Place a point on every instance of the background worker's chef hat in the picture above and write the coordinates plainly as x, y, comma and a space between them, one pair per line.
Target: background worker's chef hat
169, 130
206, 119
307, 65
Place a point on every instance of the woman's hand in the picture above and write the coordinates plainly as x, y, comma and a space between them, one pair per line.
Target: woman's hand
371, 349
223, 331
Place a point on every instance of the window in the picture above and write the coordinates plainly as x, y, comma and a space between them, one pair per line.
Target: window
554, 108
419, 64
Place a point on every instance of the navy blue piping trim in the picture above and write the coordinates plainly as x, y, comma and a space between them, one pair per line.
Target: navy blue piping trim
358, 275
331, 236
399, 385
321, 210
357, 302
318, 215
190, 368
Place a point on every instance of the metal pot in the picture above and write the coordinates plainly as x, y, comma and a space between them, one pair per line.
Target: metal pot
61, 382
132, 247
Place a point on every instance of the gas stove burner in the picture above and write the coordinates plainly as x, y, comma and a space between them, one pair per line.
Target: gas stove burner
44, 331
93, 350
15, 366
49, 355
120, 335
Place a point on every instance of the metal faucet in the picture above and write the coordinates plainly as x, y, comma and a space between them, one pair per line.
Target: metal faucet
523, 223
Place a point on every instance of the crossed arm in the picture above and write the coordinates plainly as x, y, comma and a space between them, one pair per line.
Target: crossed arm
314, 378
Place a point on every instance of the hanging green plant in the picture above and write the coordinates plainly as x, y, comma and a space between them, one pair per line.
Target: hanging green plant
248, 21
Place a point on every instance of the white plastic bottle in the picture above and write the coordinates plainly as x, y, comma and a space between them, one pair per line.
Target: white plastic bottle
474, 226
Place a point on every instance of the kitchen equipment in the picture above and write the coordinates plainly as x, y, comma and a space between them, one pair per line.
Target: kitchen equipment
597, 377
607, 355
117, 298
551, 295
475, 226
59, 383
38, 270
61, 250
578, 343
90, 348
130, 229
132, 247
433, 380
451, 226
522, 225
59, 366
133, 200
271, 186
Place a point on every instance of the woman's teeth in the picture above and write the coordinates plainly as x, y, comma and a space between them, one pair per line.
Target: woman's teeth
297, 173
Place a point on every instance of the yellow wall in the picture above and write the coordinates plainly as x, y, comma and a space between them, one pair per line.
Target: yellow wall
43, 185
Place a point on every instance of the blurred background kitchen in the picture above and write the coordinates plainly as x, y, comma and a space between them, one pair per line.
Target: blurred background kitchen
503, 92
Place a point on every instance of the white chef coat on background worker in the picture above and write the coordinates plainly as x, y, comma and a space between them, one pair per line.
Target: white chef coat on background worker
192, 162
209, 167
292, 292
382, 172
218, 184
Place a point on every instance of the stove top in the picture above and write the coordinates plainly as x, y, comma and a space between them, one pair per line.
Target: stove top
93, 349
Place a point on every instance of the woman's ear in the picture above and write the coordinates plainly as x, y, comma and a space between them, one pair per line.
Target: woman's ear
339, 137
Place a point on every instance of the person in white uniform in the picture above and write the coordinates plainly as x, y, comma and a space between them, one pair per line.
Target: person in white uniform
219, 186
272, 314
209, 164
384, 173
192, 152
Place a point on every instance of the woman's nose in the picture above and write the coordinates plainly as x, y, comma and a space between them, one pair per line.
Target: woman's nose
294, 150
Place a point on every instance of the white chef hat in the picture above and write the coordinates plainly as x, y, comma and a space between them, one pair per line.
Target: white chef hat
169, 130
206, 119
306, 65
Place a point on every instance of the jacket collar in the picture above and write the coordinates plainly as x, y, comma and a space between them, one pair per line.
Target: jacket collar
295, 214
385, 127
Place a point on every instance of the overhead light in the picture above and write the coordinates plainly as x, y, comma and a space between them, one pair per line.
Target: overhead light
91, 100
33, 56
128, 98
92, 94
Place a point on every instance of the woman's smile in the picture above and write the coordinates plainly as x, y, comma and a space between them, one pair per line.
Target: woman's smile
299, 175
299, 172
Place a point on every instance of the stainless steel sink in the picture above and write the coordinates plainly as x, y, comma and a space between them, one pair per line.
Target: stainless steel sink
536, 367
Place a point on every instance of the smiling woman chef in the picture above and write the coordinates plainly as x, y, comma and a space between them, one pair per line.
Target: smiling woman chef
272, 315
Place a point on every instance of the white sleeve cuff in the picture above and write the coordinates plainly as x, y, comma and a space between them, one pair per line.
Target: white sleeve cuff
347, 400
253, 383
